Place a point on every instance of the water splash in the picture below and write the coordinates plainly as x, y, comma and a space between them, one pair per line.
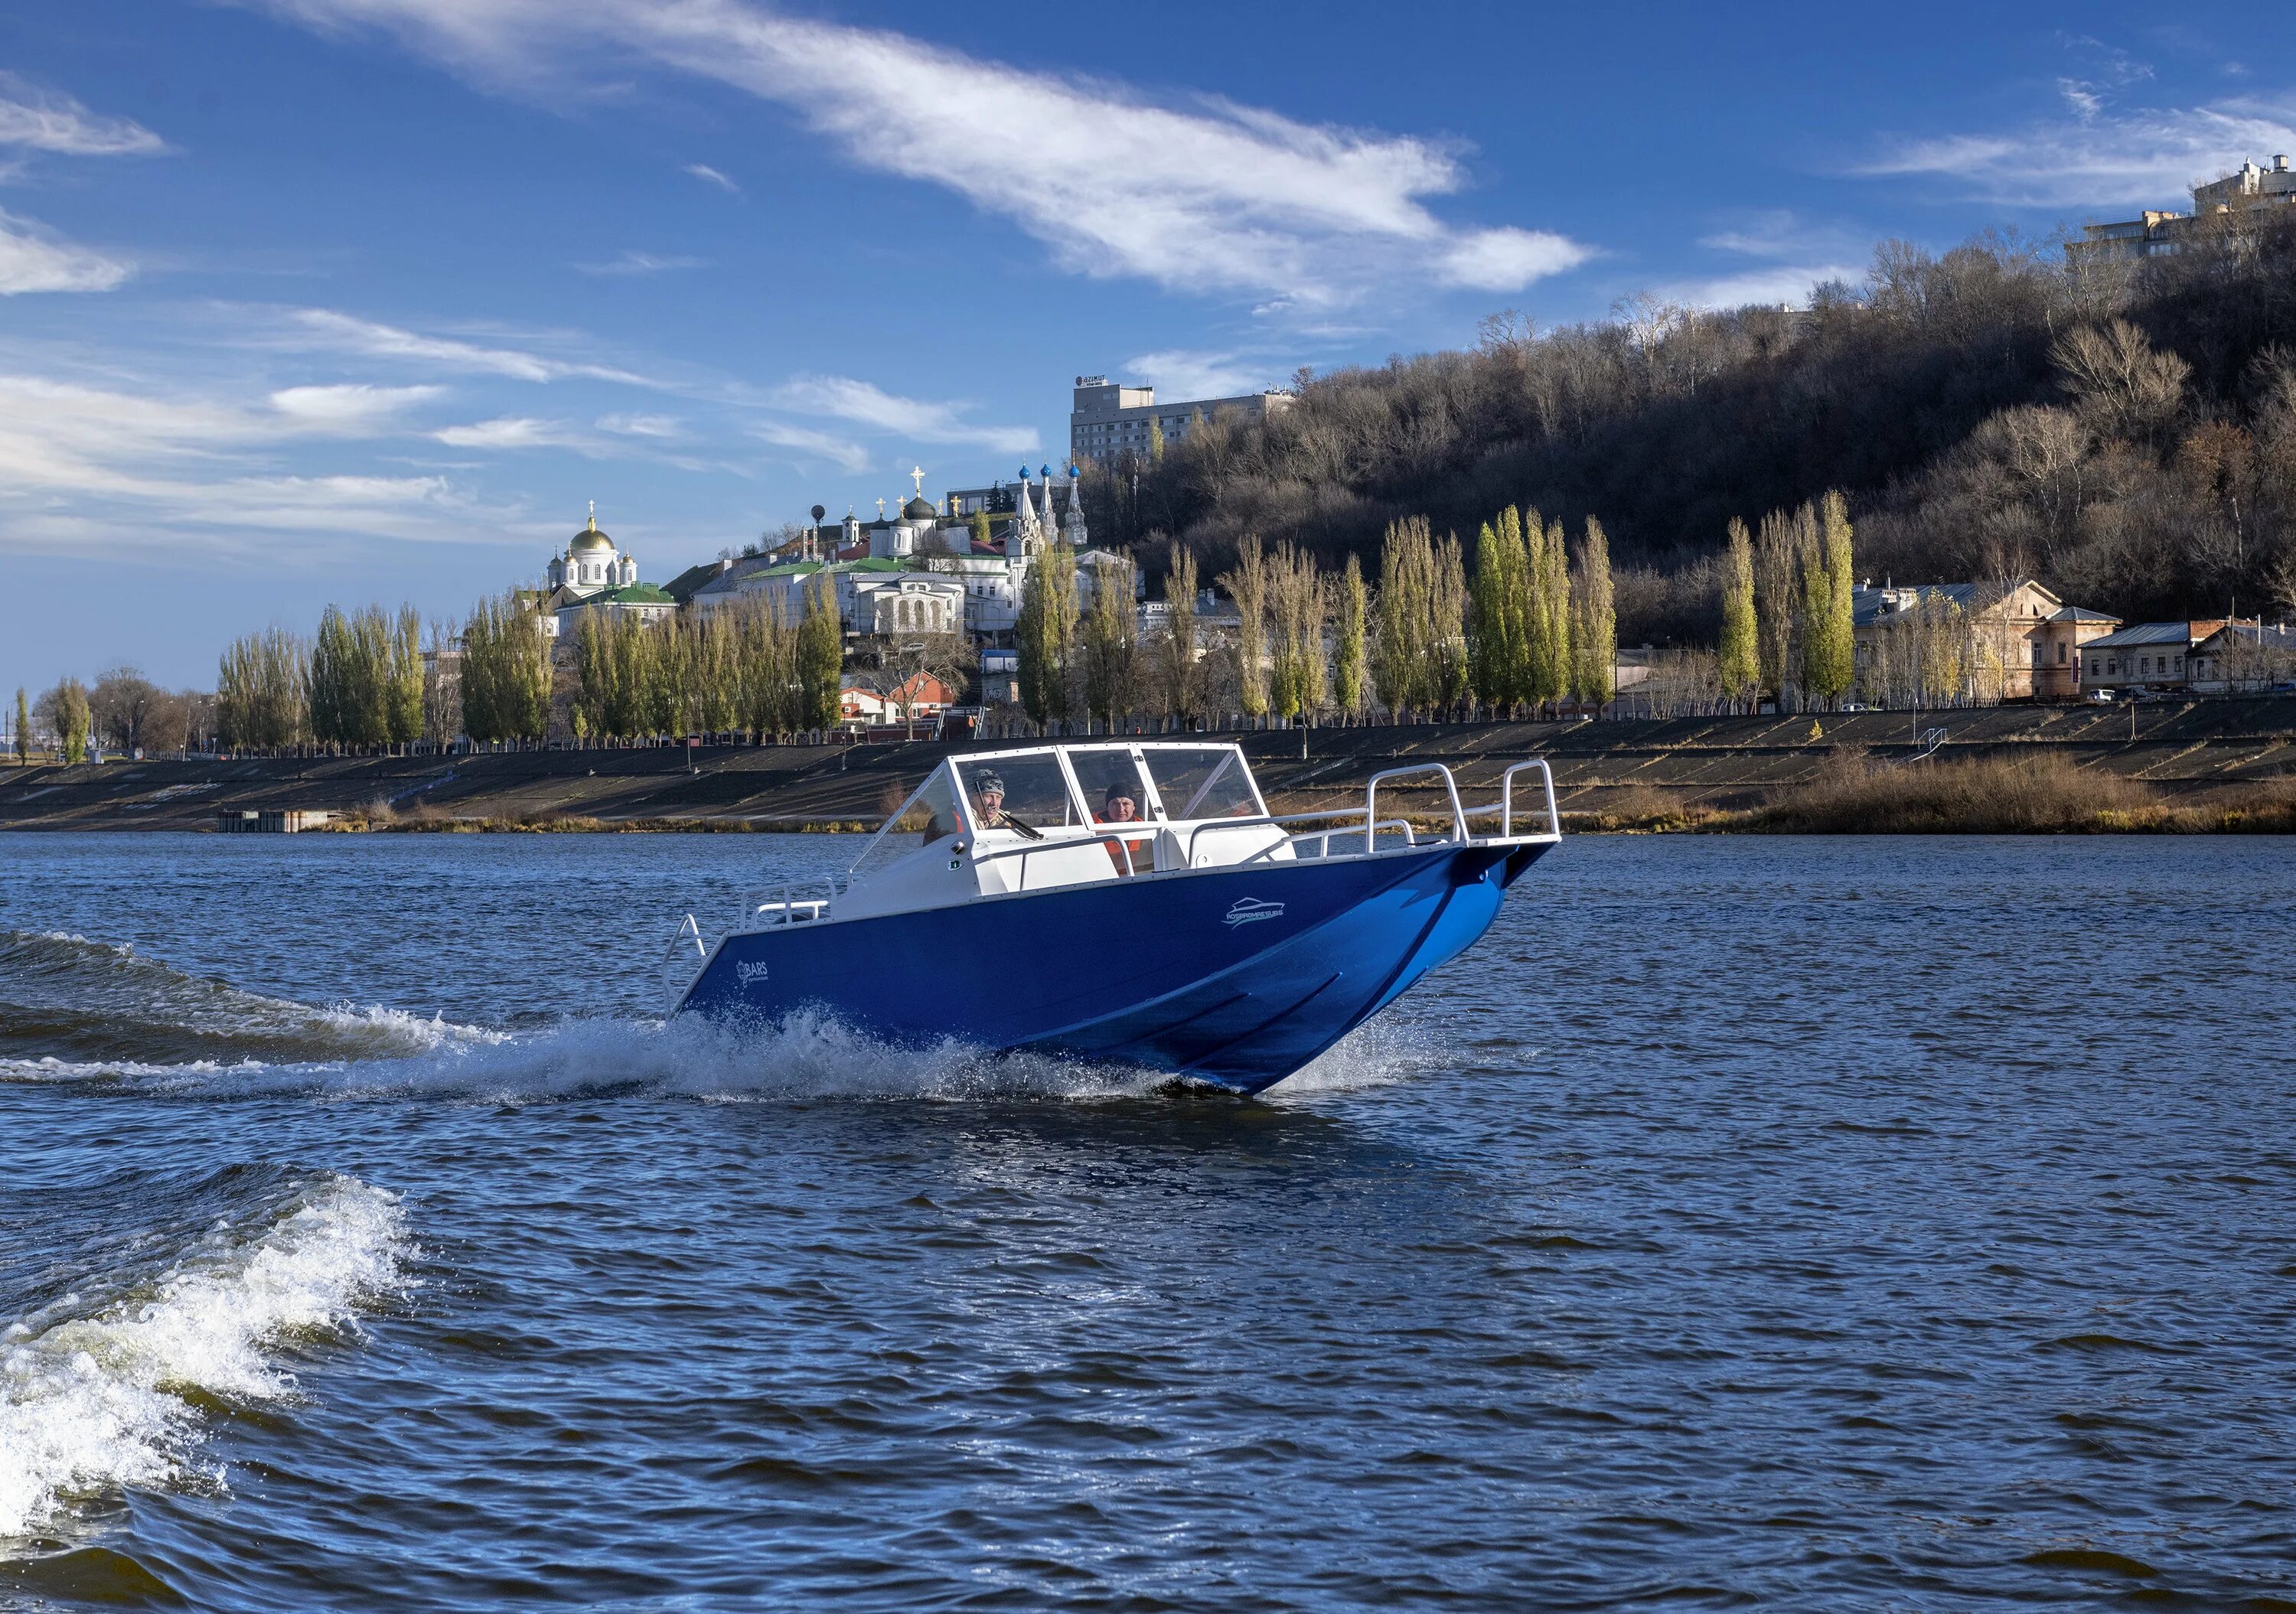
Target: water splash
162, 1031
97, 1388
69, 1000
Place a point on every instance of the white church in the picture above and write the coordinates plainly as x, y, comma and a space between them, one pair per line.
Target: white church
593, 575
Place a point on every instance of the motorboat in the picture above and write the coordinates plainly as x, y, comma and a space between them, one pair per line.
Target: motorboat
1129, 901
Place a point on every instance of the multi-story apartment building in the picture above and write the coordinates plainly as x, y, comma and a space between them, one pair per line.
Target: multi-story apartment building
1110, 419
2243, 191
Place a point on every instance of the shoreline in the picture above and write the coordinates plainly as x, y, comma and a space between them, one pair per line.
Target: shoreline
2199, 766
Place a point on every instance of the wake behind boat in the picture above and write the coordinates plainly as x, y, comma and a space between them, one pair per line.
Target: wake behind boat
1125, 901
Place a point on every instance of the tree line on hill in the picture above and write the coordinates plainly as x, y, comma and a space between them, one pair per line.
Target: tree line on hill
2123, 430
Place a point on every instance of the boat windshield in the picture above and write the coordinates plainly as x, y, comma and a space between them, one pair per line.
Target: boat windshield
1203, 781
1028, 790
1112, 786
925, 817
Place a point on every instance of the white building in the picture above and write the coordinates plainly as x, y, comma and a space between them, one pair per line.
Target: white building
1111, 418
593, 575
922, 569
591, 562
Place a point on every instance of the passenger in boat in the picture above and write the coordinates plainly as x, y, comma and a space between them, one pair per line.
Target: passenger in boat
1120, 806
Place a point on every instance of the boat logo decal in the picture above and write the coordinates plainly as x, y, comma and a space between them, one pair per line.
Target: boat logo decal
750, 972
1248, 909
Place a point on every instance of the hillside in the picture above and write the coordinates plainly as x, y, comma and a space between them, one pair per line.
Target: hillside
2127, 432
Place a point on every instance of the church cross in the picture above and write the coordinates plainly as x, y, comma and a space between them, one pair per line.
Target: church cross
918, 477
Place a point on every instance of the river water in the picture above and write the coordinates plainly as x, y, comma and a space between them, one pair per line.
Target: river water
1892, 1224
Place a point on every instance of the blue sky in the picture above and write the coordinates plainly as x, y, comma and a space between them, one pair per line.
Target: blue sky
305, 300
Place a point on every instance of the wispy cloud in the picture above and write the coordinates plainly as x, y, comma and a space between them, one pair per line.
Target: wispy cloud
2100, 158
642, 263
846, 455
660, 426
41, 120
75, 459
327, 329
511, 432
1182, 375
1198, 195
710, 176
917, 419
350, 407
36, 259
1769, 286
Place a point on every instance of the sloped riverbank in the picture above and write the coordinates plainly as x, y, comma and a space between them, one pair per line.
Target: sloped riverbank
1703, 771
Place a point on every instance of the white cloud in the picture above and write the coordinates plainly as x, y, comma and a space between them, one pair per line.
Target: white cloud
642, 263
1509, 259
710, 176
1788, 283
1181, 375
353, 407
33, 259
1201, 196
920, 419
326, 329
2103, 161
46, 120
642, 425
509, 431
848, 456
87, 468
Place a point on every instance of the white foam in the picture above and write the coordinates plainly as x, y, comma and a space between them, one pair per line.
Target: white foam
93, 1399
1376, 1054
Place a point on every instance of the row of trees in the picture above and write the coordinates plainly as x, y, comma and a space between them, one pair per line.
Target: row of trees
1538, 627
745, 668
123, 711
1786, 622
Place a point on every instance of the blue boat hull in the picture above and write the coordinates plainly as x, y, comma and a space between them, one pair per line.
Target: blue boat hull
1238, 977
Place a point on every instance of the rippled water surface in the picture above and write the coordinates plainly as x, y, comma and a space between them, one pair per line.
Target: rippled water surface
1826, 1224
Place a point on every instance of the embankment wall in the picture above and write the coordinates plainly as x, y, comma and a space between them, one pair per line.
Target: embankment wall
2185, 748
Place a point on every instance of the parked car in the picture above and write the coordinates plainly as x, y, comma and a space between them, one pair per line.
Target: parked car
2103, 697
1855, 706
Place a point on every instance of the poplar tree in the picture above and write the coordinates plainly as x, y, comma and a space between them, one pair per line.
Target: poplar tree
1741, 653
332, 652
820, 656
1180, 680
1446, 636
979, 524
1045, 633
1778, 549
262, 692
505, 672
23, 729
1401, 663
1549, 600
72, 718
1348, 677
403, 700
1829, 645
1593, 619
1486, 622
1499, 615
1111, 633
1247, 586
1298, 594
